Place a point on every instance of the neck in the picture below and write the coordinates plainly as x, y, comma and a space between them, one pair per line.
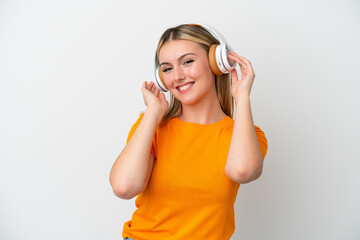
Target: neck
205, 111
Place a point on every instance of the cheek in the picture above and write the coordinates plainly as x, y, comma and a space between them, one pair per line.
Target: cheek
167, 80
202, 71
197, 71
193, 72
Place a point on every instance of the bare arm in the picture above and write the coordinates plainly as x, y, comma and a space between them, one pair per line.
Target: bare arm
131, 171
244, 161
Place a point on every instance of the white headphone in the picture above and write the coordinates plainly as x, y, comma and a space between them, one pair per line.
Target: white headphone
218, 58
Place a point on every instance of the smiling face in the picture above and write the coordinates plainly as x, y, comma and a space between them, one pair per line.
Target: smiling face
186, 71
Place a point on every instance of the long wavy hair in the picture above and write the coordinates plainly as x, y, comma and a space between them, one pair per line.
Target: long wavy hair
199, 35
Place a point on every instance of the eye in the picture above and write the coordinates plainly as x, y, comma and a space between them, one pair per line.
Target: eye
166, 69
188, 61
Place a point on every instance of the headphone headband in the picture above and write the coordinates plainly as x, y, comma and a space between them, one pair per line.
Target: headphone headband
213, 32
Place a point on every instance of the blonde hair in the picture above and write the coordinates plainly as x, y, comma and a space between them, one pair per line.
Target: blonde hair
199, 35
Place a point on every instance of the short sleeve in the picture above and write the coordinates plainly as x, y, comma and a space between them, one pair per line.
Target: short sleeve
133, 129
262, 141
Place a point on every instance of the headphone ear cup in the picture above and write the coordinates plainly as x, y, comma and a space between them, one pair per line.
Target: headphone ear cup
161, 76
213, 61
159, 80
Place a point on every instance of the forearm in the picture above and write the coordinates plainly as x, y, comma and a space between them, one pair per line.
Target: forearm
131, 167
244, 160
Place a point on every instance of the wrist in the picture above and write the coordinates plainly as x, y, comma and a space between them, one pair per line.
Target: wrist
155, 111
244, 96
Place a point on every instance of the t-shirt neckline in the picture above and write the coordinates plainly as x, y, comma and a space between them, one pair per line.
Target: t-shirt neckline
221, 122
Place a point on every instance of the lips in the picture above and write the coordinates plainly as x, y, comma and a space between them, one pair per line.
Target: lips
185, 86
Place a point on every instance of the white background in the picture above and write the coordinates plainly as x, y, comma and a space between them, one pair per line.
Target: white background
71, 73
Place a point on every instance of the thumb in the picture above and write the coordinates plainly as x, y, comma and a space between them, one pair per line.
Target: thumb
143, 86
162, 95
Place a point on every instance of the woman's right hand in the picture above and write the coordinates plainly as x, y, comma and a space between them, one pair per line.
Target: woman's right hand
153, 98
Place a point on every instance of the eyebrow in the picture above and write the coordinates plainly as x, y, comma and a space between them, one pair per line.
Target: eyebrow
186, 54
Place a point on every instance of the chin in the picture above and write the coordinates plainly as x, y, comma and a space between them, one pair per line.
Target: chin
190, 100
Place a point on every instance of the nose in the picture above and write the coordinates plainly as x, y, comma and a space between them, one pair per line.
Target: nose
179, 74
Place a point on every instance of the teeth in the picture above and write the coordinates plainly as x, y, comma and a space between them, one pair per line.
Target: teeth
185, 87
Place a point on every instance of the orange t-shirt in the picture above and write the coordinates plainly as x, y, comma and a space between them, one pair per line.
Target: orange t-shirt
188, 195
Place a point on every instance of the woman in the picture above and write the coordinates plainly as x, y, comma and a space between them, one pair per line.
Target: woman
186, 161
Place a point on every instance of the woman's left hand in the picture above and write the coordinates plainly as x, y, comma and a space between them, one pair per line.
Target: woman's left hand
242, 86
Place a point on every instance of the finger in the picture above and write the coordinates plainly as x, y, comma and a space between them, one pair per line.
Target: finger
240, 57
234, 76
240, 61
243, 65
149, 86
157, 92
243, 62
153, 88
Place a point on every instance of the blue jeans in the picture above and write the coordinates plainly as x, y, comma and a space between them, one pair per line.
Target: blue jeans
128, 238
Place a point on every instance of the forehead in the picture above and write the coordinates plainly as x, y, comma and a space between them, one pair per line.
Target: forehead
173, 49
